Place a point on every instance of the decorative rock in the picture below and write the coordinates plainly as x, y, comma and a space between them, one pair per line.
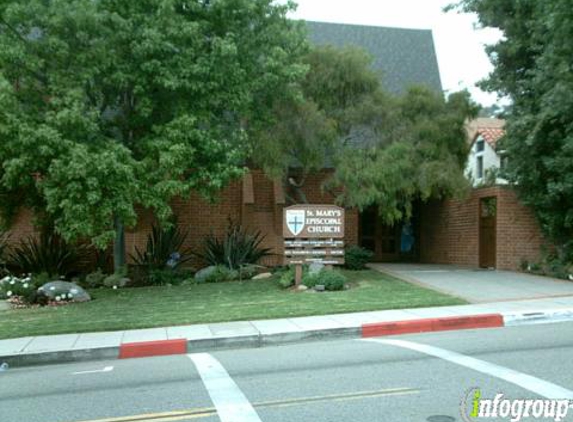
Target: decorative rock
319, 288
315, 268
262, 276
65, 289
204, 273
4, 305
301, 288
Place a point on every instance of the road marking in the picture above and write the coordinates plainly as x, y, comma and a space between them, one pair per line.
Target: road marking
229, 400
97, 371
531, 383
211, 411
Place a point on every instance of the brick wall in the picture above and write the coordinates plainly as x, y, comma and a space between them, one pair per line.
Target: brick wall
450, 231
264, 215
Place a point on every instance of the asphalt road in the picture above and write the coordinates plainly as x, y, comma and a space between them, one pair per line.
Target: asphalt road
421, 377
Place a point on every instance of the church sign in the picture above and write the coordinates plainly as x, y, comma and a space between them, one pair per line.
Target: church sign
313, 221
313, 233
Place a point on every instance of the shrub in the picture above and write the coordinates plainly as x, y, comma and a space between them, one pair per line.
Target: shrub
248, 271
236, 249
287, 278
3, 248
221, 274
164, 249
95, 279
48, 253
310, 279
330, 279
357, 257
23, 290
163, 277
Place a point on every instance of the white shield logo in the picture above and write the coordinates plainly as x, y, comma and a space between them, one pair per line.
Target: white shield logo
295, 221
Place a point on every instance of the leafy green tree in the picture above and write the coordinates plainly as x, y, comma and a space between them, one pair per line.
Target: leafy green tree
108, 105
532, 66
416, 153
385, 150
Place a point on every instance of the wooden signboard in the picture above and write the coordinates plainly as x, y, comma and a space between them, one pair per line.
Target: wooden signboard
313, 233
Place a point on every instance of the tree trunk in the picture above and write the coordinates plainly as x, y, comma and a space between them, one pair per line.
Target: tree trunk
118, 245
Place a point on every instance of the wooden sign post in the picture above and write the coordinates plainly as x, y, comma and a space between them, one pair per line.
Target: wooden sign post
313, 233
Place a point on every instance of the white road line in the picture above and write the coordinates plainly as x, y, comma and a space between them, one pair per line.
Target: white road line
97, 371
531, 383
229, 400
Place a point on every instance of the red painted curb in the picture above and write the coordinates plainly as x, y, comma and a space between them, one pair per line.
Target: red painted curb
152, 348
431, 324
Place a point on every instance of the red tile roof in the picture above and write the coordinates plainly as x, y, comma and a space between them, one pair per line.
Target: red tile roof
489, 128
491, 134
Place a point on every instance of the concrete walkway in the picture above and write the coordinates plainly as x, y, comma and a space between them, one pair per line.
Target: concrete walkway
479, 285
208, 337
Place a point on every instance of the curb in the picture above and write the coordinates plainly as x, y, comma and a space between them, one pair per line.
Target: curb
432, 324
183, 346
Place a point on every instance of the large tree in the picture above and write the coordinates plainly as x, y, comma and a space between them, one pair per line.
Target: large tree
110, 104
532, 66
384, 150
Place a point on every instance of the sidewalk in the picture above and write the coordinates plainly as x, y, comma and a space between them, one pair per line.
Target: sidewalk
478, 285
209, 337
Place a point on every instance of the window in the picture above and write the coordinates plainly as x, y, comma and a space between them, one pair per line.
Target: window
480, 144
479, 167
503, 162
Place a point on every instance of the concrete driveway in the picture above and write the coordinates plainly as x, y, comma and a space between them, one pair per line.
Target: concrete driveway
478, 285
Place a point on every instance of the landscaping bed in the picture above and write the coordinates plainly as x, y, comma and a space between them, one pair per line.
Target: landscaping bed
158, 306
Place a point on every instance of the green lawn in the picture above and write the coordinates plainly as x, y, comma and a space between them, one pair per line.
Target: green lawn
193, 304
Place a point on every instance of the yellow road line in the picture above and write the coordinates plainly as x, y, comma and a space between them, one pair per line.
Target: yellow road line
210, 411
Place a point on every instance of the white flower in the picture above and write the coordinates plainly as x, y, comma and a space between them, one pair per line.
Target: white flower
114, 287
58, 298
25, 285
571, 277
9, 293
12, 282
70, 296
5, 279
53, 288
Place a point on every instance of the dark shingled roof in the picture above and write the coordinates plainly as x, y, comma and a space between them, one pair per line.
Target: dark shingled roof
404, 56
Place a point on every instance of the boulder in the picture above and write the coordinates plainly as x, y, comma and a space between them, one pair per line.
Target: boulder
320, 287
301, 288
315, 268
63, 289
204, 273
262, 276
4, 305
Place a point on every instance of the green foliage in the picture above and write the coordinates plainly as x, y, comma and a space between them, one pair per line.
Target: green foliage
48, 253
532, 66
106, 105
95, 279
166, 276
3, 252
331, 280
236, 249
286, 279
165, 248
221, 274
356, 257
416, 153
23, 288
386, 150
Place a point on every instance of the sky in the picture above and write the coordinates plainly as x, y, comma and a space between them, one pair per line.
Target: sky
459, 45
